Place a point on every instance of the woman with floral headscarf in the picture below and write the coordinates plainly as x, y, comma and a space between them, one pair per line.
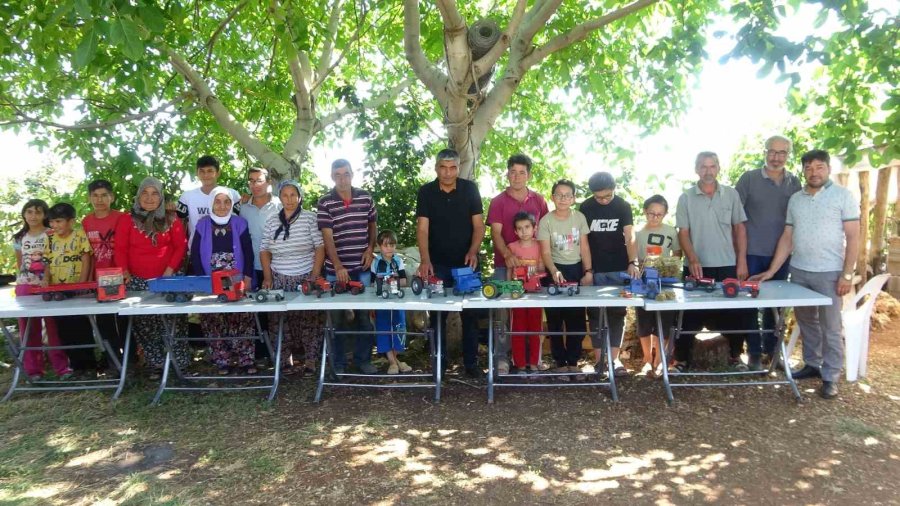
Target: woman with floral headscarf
150, 244
292, 250
222, 242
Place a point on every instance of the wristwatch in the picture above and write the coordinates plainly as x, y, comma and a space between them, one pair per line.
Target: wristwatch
848, 276
634, 263
589, 270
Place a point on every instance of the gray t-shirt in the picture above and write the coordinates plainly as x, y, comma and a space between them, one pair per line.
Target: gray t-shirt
818, 221
765, 203
663, 239
565, 236
710, 221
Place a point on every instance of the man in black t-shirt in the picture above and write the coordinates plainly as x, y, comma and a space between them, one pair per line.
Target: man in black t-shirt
449, 230
613, 250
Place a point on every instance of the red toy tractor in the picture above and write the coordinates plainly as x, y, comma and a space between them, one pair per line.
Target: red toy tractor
731, 287
354, 287
691, 283
318, 285
530, 282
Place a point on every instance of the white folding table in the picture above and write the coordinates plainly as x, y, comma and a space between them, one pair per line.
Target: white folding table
151, 304
33, 306
600, 297
368, 301
773, 295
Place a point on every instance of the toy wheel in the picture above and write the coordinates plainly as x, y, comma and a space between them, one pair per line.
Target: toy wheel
170, 297
489, 291
552, 290
385, 294
354, 290
190, 296
339, 288
46, 297
222, 297
731, 290
304, 287
401, 293
332, 291
711, 288
516, 295
754, 293
279, 298
59, 296
319, 294
261, 297
570, 291
416, 285
362, 289
181, 298
689, 285
429, 293
577, 289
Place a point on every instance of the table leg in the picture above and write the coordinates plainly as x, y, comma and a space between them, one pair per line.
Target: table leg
277, 366
17, 353
603, 328
439, 369
168, 341
326, 349
124, 370
664, 360
490, 375
781, 350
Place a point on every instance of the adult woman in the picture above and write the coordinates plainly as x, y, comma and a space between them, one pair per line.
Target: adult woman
151, 243
222, 242
291, 251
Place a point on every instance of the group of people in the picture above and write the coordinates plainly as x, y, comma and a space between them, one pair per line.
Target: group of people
754, 229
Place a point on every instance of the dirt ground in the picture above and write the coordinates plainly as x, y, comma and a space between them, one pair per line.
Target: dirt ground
737, 445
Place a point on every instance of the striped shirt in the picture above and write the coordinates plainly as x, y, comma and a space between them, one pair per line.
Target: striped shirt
349, 224
294, 256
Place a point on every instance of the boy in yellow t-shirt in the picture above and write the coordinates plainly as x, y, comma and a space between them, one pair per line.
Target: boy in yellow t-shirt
70, 262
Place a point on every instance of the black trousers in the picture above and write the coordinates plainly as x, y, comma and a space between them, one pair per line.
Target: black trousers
566, 349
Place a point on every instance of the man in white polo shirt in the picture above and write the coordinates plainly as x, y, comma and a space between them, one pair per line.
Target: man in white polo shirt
822, 231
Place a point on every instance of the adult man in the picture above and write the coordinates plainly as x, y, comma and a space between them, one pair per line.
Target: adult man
765, 193
514, 199
613, 250
822, 231
346, 217
257, 210
449, 229
710, 221
194, 204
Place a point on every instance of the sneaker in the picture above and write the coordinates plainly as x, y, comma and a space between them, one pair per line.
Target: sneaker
502, 367
404, 367
619, 369
647, 370
806, 372
829, 390
393, 369
658, 373
755, 363
678, 368
368, 368
736, 365
34, 378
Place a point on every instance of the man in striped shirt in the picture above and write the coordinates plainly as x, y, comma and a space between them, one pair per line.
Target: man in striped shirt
346, 217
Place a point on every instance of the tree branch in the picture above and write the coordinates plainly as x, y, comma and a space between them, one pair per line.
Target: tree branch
582, 31
484, 64
24, 118
328, 48
537, 18
372, 103
426, 71
224, 117
219, 30
450, 14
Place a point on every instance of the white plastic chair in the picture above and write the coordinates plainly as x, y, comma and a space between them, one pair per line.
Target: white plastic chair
856, 319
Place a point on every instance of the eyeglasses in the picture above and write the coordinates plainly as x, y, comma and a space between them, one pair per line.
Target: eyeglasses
780, 153
655, 215
257, 181
564, 196
605, 197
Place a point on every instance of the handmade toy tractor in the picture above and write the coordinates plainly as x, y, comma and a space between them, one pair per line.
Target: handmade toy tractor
493, 289
263, 295
569, 288
227, 286
431, 286
318, 286
531, 282
465, 281
387, 285
648, 285
110, 285
691, 283
354, 287
731, 287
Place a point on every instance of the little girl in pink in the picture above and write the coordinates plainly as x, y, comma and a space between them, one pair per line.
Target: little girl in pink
526, 348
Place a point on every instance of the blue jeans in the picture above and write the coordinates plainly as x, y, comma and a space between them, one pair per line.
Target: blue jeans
362, 349
764, 343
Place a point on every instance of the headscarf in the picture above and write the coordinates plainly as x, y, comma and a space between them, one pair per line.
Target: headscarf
285, 220
220, 190
153, 222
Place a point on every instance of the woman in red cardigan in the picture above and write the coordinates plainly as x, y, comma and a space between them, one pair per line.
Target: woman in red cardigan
151, 243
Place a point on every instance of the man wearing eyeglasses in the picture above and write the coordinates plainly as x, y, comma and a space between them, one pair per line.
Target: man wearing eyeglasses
765, 193
613, 250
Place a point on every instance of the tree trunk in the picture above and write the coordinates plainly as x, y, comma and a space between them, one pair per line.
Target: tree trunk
864, 207
880, 218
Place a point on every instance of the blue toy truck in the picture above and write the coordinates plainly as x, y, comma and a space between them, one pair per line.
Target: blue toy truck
228, 286
465, 281
649, 284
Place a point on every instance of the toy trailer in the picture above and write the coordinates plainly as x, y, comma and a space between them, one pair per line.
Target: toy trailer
465, 281
732, 286
63, 291
433, 285
227, 286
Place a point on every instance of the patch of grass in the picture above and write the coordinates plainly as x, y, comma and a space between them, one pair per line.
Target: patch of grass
855, 428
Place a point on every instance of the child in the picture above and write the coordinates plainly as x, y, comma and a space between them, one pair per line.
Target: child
194, 204
70, 262
31, 244
390, 324
528, 252
564, 250
656, 238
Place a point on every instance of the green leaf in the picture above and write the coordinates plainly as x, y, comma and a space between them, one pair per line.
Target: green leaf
86, 49
83, 8
134, 46
154, 19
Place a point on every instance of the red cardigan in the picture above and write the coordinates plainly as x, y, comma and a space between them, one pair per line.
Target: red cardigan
135, 253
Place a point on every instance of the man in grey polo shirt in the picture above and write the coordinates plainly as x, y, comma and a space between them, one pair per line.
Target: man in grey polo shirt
259, 206
710, 221
765, 193
822, 231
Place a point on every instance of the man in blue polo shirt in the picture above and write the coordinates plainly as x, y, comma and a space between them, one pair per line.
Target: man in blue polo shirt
449, 230
346, 217
822, 232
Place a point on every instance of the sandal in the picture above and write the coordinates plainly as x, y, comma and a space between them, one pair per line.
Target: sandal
250, 370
